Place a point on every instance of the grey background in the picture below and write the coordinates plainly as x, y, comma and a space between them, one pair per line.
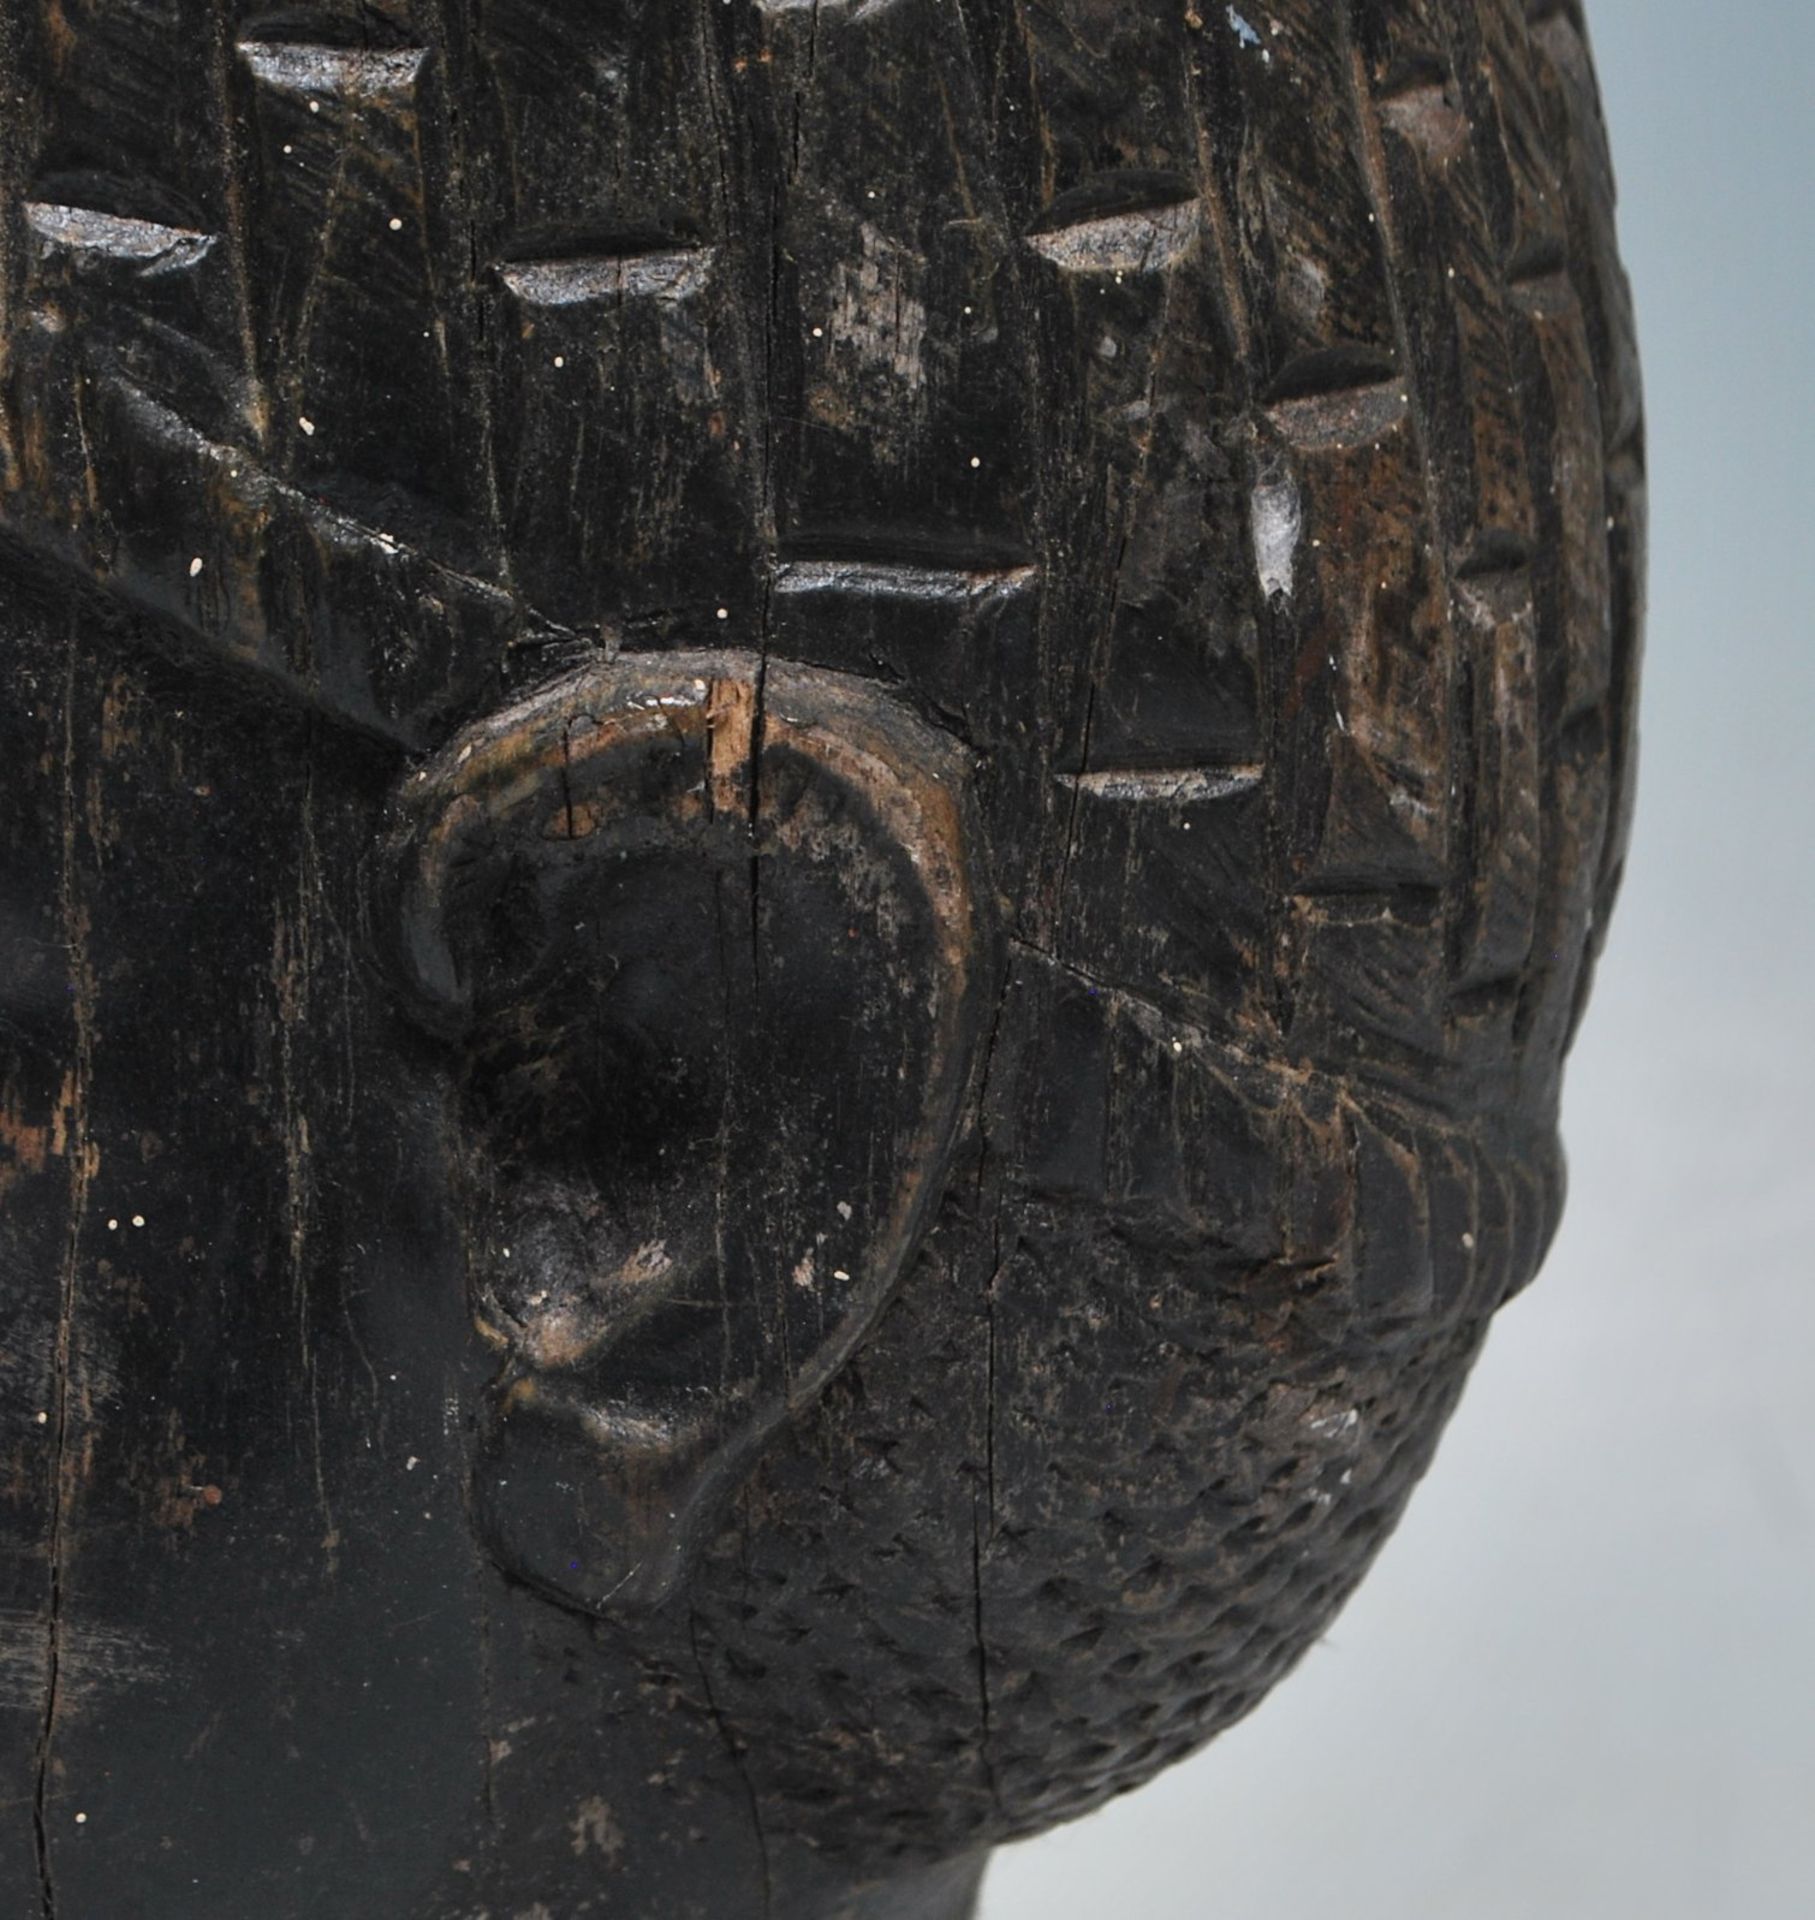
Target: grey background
1581, 1682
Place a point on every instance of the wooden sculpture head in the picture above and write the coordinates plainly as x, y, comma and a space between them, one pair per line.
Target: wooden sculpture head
800, 812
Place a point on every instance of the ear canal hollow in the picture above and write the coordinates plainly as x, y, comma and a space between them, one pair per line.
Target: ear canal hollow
709, 943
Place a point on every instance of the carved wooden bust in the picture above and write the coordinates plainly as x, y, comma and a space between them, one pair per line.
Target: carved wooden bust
801, 805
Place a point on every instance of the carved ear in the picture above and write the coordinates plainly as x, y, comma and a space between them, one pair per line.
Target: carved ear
708, 937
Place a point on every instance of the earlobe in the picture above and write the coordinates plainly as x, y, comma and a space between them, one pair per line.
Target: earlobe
708, 941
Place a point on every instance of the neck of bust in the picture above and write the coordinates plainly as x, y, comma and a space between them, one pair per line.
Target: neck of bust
610, 1787
947, 1891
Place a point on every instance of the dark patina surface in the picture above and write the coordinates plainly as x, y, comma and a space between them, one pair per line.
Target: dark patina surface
801, 805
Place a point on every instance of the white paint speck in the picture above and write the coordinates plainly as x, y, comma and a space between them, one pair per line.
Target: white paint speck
307, 425
113, 1226
838, 1273
138, 1219
315, 106
1243, 32
844, 1209
560, 359
819, 333
411, 1464
976, 460
44, 1419
1468, 1240
81, 1819
396, 224
724, 613
195, 566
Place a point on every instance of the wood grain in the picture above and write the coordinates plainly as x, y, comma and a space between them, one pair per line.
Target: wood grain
1211, 444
